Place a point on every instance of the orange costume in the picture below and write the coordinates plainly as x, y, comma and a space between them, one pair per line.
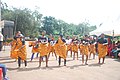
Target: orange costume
35, 47
22, 53
75, 47
69, 47
43, 49
85, 47
18, 50
61, 49
92, 48
14, 47
51, 46
102, 50
86, 50
81, 48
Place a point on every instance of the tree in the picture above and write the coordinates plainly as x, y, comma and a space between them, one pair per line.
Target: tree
31, 23
49, 24
25, 20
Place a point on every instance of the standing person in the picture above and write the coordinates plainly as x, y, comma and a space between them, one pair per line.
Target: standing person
85, 52
92, 48
22, 53
51, 43
68, 43
43, 48
1, 41
102, 48
18, 34
75, 47
15, 46
61, 49
35, 48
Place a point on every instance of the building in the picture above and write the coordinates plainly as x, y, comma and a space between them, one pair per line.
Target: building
7, 28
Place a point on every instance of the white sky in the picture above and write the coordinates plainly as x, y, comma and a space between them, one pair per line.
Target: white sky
74, 11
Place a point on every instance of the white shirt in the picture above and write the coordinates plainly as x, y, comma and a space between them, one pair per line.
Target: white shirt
1, 37
68, 41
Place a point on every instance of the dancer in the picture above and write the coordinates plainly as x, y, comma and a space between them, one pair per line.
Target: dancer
92, 48
35, 48
85, 43
75, 47
68, 43
61, 49
102, 48
43, 48
51, 43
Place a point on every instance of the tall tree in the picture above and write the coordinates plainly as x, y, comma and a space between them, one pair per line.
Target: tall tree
49, 24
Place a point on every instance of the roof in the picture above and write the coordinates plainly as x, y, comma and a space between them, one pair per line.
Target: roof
7, 23
108, 29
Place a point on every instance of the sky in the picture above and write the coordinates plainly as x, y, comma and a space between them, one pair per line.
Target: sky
74, 11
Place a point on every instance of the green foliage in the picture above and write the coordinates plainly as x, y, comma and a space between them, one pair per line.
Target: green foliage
31, 23
25, 20
49, 24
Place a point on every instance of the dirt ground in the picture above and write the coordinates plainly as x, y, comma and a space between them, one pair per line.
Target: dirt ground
73, 71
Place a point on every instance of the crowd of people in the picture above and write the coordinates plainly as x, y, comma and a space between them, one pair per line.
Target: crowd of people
44, 46
114, 49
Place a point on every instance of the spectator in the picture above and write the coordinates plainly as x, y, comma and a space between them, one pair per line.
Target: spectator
4, 70
115, 52
1, 41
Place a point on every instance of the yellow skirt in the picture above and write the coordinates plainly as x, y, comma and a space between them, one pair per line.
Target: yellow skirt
85, 50
81, 49
102, 50
92, 48
61, 50
51, 48
68, 47
75, 48
14, 54
35, 50
22, 53
43, 49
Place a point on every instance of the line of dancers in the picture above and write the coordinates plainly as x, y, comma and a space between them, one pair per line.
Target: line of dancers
44, 46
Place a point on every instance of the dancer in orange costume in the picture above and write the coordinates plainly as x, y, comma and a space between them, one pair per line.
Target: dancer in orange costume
61, 49
85, 46
51, 43
102, 48
68, 43
13, 52
43, 48
92, 48
35, 48
75, 47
